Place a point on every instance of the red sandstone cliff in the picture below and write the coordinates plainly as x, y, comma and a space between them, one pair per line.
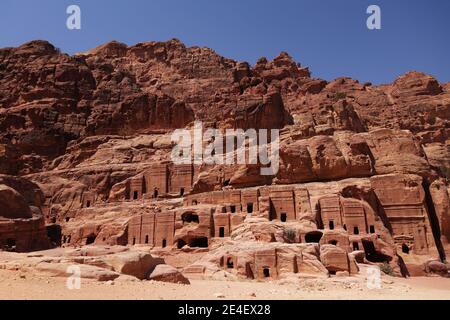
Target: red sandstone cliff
92, 130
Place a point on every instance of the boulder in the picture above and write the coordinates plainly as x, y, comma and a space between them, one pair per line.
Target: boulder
12, 204
166, 273
133, 263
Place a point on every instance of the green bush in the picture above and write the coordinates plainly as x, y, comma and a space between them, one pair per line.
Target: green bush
387, 269
289, 234
340, 96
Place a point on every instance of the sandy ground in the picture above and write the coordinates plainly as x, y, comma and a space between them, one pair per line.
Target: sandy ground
15, 285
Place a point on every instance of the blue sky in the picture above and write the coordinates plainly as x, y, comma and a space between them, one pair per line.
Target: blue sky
329, 36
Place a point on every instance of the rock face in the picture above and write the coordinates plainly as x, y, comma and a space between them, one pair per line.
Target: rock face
85, 148
22, 226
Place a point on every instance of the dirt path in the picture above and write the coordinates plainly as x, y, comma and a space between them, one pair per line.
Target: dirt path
14, 285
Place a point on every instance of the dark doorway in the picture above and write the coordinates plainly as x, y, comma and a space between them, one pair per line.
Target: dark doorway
355, 246
345, 227
181, 192
333, 242
135, 195
313, 237
164, 243
190, 217
266, 272
146, 239
88, 204
181, 244
372, 254
372, 229
355, 230
230, 264
90, 239
233, 209
331, 225
405, 248
11, 243
201, 242
283, 217
54, 234
249, 207
134, 241
221, 232
155, 194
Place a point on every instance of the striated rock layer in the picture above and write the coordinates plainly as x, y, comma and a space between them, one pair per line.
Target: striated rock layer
85, 158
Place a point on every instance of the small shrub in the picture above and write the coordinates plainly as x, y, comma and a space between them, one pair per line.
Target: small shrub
289, 234
387, 269
445, 172
340, 96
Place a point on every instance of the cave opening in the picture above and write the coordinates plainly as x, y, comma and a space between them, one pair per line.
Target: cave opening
283, 217
190, 217
200, 242
372, 254
405, 248
313, 237
266, 272
90, 239
181, 243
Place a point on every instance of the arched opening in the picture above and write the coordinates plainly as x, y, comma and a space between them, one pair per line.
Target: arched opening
266, 272
333, 242
331, 225
181, 192
345, 227
90, 239
181, 243
355, 246
230, 263
405, 248
313, 237
164, 243
372, 229
146, 239
222, 232
250, 207
283, 217
200, 242
233, 209
355, 230
190, 217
